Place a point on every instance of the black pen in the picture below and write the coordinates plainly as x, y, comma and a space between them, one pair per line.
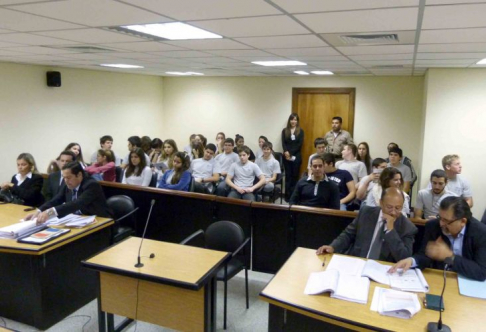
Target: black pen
324, 263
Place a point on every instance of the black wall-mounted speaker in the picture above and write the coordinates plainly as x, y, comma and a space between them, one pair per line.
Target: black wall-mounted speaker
53, 78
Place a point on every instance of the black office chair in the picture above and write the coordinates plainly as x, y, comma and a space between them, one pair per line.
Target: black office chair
118, 174
226, 236
153, 181
279, 181
124, 209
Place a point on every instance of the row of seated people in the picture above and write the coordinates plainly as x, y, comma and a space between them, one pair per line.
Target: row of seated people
454, 238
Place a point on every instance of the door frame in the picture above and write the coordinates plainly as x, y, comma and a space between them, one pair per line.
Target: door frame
349, 91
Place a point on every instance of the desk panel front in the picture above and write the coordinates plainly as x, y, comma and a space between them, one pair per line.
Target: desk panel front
286, 290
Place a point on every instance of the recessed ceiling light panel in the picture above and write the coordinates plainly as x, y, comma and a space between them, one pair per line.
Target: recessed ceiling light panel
322, 72
120, 65
279, 63
300, 72
187, 73
481, 62
173, 31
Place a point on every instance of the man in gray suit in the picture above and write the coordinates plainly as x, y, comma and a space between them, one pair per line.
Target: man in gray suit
55, 181
381, 233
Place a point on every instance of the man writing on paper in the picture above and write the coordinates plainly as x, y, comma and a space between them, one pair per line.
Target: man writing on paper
382, 233
455, 238
80, 194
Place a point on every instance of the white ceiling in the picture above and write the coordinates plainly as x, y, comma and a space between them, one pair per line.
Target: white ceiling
442, 33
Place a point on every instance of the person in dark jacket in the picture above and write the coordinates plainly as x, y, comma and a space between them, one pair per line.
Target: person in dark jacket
292, 140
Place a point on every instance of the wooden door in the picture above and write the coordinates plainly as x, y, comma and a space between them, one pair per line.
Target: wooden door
316, 107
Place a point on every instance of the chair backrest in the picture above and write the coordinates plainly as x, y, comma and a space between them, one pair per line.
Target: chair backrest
153, 181
224, 235
192, 185
118, 174
121, 205
279, 157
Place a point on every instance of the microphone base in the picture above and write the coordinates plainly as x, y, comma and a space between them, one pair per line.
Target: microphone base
139, 265
434, 327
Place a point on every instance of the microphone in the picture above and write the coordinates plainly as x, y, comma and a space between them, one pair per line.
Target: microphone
439, 327
139, 263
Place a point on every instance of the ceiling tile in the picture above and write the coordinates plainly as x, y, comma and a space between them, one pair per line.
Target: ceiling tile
91, 36
14, 20
16, 2
376, 20
39, 50
182, 54
451, 2
6, 44
446, 62
250, 59
29, 39
10, 51
215, 60
310, 51
305, 6
283, 41
305, 58
472, 35
208, 9
253, 26
392, 72
458, 47
388, 49
208, 44
454, 16
405, 56
93, 12
143, 46
385, 63
430, 56
239, 53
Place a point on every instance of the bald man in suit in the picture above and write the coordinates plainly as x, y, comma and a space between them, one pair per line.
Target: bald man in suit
381, 233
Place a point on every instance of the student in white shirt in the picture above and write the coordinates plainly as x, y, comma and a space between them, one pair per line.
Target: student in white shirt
350, 164
205, 170
137, 172
269, 166
321, 146
225, 160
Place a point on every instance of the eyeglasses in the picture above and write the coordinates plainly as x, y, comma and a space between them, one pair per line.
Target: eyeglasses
445, 221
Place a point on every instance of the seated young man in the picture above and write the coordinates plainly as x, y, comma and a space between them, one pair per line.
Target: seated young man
321, 145
269, 166
428, 200
342, 178
241, 176
456, 182
106, 143
134, 142
316, 190
351, 164
205, 170
395, 155
368, 182
225, 160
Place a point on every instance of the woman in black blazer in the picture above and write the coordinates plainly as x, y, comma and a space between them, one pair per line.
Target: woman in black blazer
26, 186
292, 140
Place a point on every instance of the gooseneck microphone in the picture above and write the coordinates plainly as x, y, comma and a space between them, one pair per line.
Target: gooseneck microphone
139, 263
439, 327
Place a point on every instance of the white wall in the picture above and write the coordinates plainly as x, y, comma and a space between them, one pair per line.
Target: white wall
455, 123
89, 104
387, 108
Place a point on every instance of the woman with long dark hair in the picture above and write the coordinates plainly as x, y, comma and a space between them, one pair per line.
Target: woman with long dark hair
76, 148
364, 156
177, 178
137, 172
390, 177
292, 140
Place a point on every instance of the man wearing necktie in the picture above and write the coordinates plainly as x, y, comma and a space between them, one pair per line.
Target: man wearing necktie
381, 233
81, 194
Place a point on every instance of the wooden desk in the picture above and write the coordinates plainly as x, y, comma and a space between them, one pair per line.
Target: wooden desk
42, 284
285, 293
176, 288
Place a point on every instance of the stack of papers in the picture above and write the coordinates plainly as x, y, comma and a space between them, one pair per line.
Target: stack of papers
20, 229
472, 288
72, 220
43, 236
390, 302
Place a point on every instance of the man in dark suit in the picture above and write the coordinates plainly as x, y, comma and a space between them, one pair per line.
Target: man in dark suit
80, 194
382, 233
55, 181
455, 238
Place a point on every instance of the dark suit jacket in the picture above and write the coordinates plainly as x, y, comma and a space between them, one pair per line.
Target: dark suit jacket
356, 239
472, 264
91, 200
30, 191
52, 185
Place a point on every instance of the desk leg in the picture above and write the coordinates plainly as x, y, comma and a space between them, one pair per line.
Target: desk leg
210, 306
110, 321
101, 314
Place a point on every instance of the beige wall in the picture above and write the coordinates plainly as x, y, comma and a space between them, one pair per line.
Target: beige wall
387, 108
455, 123
89, 104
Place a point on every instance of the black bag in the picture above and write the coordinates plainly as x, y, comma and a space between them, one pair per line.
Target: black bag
7, 197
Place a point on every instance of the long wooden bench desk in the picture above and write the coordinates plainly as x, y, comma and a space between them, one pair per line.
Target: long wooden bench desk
276, 230
292, 310
42, 284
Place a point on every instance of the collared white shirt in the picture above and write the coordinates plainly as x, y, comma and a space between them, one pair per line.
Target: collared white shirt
378, 228
20, 180
457, 242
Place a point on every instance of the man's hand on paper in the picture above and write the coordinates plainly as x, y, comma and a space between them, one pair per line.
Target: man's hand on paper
401, 266
325, 250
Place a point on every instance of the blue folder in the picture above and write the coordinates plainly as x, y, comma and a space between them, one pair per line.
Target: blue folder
472, 288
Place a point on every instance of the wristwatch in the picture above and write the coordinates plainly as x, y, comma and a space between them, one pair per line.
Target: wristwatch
449, 260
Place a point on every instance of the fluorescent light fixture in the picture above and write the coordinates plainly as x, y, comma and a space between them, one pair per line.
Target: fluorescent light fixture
481, 62
279, 63
173, 31
322, 72
119, 65
300, 72
187, 73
